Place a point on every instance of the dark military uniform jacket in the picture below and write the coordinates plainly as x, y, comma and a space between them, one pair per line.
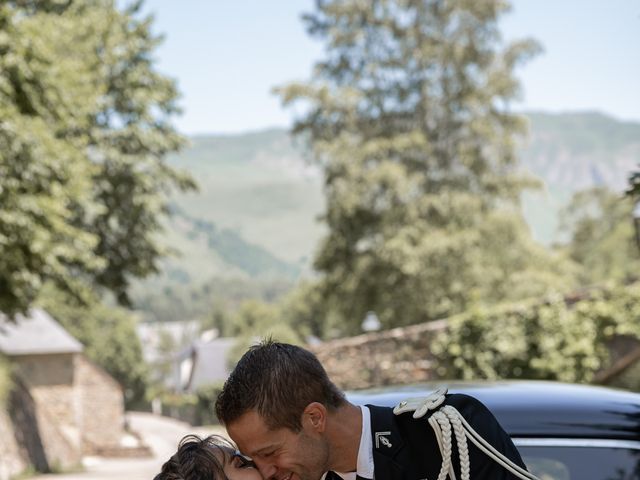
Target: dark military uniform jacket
405, 448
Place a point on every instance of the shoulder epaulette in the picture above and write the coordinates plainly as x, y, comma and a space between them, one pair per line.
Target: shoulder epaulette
446, 420
421, 405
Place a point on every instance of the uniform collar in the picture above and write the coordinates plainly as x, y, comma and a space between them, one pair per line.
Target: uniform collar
387, 443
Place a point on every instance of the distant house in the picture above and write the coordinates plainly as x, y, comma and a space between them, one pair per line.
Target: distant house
202, 363
159, 339
63, 406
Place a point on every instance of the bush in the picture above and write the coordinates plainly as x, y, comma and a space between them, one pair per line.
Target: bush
181, 406
550, 340
206, 397
194, 408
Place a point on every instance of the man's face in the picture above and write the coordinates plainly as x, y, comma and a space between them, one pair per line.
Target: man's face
282, 454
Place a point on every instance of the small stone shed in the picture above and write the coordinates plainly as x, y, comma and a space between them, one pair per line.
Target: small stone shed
62, 405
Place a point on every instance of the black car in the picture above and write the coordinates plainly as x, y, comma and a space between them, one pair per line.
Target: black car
563, 431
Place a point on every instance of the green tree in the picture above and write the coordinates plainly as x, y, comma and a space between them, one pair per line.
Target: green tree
130, 136
634, 184
85, 127
43, 164
602, 239
254, 320
408, 115
309, 314
167, 350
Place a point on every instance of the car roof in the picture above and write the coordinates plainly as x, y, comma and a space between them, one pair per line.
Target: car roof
535, 408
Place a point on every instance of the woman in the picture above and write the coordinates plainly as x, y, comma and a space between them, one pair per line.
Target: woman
210, 458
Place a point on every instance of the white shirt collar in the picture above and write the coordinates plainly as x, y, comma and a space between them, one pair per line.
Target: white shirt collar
364, 466
365, 452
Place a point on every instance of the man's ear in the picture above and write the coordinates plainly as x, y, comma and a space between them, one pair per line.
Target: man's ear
314, 417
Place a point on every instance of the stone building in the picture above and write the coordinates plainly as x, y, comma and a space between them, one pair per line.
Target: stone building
62, 405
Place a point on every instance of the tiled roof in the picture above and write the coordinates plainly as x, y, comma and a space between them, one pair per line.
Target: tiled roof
35, 333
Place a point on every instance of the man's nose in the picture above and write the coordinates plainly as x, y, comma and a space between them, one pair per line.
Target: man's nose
267, 469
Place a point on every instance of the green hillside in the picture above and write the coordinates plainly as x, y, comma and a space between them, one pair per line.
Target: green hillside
256, 214
256, 185
247, 233
238, 254
571, 152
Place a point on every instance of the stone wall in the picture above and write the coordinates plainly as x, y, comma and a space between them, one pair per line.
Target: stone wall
25, 426
63, 407
13, 459
393, 357
49, 380
101, 406
401, 356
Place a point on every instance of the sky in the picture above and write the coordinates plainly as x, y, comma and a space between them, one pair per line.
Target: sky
228, 55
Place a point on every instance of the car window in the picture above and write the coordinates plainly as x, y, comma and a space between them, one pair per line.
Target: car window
547, 468
582, 463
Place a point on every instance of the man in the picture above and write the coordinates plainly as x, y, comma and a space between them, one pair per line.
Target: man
281, 409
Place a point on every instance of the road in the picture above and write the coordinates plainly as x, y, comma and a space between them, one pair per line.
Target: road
160, 433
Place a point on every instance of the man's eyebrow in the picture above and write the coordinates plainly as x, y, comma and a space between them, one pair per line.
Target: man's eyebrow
266, 448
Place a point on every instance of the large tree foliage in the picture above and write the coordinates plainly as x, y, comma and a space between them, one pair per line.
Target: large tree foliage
408, 115
85, 126
131, 135
602, 237
46, 95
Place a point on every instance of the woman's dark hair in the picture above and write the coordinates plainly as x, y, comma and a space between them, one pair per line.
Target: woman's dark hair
196, 459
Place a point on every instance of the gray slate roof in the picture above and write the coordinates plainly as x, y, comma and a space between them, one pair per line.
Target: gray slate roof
35, 333
210, 363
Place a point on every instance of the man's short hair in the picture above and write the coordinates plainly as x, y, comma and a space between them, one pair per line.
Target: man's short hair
278, 381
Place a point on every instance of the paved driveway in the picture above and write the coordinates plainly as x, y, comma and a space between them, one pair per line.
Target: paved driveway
160, 433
